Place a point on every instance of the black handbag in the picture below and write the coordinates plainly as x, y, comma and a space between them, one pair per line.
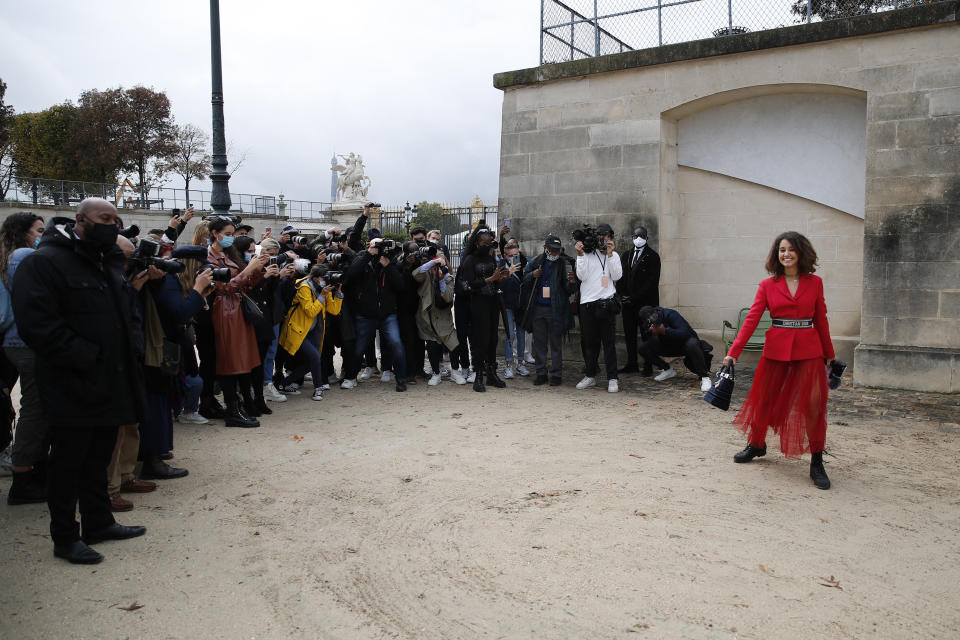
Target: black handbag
251, 311
722, 389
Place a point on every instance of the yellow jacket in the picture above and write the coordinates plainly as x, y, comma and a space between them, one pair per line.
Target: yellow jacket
306, 306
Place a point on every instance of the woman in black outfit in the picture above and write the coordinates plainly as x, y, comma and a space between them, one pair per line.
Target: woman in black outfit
481, 274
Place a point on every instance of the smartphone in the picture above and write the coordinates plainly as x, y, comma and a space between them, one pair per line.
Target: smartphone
515, 259
268, 230
506, 223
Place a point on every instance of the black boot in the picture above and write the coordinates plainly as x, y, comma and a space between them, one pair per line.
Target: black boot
817, 473
258, 402
156, 469
493, 378
236, 418
25, 489
250, 408
750, 453
211, 409
478, 382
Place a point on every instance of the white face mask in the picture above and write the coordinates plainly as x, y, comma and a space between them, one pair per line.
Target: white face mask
639, 243
552, 258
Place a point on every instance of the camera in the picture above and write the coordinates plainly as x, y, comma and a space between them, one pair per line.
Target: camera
333, 278
423, 254
299, 240
176, 212
388, 248
279, 260
336, 259
146, 256
130, 232
219, 275
589, 237
373, 205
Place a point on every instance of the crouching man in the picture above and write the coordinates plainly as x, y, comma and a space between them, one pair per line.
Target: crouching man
666, 333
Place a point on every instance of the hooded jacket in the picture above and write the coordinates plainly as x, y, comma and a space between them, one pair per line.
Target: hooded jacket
307, 305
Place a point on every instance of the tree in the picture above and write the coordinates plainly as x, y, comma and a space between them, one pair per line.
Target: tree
99, 140
190, 158
236, 158
832, 9
429, 215
149, 132
6, 144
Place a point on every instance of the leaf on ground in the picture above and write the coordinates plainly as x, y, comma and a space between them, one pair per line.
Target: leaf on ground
256, 533
823, 519
133, 606
762, 568
681, 426
351, 550
636, 455
203, 497
297, 438
408, 479
639, 513
631, 404
608, 486
246, 495
831, 582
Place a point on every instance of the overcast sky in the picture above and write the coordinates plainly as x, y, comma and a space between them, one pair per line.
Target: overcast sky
407, 84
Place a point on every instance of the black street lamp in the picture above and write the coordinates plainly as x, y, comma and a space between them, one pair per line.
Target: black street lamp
220, 190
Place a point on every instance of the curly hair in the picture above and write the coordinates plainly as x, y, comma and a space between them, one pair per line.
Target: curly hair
13, 236
806, 256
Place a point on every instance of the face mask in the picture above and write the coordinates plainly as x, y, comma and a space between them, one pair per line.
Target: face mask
36, 243
249, 257
226, 242
483, 249
101, 236
552, 258
639, 243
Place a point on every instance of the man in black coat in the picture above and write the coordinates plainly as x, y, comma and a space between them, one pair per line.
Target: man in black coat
77, 312
639, 287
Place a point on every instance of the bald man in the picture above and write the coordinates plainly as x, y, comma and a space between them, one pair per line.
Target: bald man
76, 310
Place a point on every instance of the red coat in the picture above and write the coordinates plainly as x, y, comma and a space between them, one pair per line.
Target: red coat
236, 342
789, 344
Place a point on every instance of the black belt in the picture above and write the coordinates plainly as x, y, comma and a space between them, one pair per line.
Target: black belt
793, 323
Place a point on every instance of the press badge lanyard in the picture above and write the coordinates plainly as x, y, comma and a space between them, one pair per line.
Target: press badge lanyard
603, 266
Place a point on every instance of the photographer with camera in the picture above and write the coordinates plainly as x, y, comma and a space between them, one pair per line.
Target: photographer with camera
271, 303
339, 330
482, 276
236, 342
303, 328
414, 255
667, 333
435, 317
515, 262
375, 282
548, 283
436, 238
598, 269
291, 241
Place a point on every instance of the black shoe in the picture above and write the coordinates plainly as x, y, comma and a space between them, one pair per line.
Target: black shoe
166, 456
114, 532
647, 372
156, 469
750, 453
540, 380
630, 368
401, 386
556, 381
250, 408
25, 489
211, 409
478, 382
77, 552
262, 407
817, 473
494, 379
236, 418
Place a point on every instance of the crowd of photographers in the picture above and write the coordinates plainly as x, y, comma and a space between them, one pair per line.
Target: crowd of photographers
114, 334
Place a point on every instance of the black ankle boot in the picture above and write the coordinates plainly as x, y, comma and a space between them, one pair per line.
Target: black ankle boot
250, 408
493, 378
817, 473
25, 489
262, 408
211, 409
750, 453
478, 382
236, 418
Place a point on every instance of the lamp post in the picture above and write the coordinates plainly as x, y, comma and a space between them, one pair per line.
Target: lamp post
220, 190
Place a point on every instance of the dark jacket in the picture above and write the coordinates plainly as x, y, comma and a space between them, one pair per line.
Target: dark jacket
75, 309
473, 272
641, 282
374, 288
559, 304
510, 288
357, 236
176, 312
678, 329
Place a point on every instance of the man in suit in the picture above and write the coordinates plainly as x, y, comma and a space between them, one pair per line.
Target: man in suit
639, 287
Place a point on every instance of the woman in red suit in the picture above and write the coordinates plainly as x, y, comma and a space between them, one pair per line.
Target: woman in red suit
789, 390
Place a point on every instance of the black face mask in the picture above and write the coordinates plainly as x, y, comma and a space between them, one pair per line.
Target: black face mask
484, 249
101, 236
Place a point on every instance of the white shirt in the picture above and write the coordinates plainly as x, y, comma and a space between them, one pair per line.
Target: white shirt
591, 268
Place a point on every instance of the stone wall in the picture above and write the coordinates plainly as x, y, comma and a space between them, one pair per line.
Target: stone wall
597, 140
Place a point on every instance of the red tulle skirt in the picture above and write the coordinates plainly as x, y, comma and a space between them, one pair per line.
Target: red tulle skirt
791, 397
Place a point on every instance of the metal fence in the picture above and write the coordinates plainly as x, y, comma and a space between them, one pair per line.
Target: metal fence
577, 29
69, 192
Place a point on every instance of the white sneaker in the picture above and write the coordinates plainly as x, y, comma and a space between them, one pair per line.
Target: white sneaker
456, 377
348, 384
270, 393
317, 394
386, 376
705, 384
613, 386
308, 376
472, 376
366, 374
508, 372
666, 374
587, 382
325, 387
6, 462
192, 418
522, 370
529, 359
434, 380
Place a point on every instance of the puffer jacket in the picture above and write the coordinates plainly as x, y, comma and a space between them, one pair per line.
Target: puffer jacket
304, 310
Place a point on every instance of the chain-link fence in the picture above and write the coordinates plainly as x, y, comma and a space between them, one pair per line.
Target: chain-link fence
577, 29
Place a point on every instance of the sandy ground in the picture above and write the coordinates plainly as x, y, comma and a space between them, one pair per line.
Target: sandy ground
525, 512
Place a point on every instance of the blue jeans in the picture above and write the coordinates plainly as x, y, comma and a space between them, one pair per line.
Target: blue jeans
390, 330
310, 349
514, 333
193, 385
271, 354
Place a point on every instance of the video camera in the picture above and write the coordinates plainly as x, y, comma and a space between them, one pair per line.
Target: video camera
146, 256
589, 237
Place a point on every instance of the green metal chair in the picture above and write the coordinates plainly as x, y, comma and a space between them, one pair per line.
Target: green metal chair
755, 343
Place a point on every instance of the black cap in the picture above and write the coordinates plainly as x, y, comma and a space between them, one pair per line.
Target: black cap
552, 242
604, 229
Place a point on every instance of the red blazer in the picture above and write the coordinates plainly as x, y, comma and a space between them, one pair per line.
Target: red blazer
789, 344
